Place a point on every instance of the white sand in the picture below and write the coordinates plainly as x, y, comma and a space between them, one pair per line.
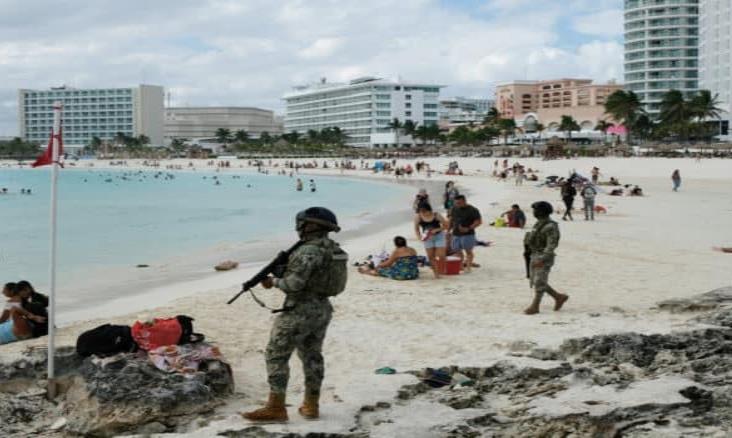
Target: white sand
615, 269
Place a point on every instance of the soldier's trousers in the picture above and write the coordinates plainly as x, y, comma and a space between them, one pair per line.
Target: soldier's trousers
302, 329
540, 277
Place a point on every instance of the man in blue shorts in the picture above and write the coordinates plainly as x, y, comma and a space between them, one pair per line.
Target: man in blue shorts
464, 219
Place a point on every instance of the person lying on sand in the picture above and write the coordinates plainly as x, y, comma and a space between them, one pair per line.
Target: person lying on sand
401, 265
726, 249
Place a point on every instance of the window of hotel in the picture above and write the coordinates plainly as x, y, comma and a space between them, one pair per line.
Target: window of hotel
408, 96
408, 113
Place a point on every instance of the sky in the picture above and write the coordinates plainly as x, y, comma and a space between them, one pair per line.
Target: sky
251, 52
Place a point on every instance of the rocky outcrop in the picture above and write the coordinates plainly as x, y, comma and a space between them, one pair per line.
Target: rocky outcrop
627, 384
111, 396
699, 303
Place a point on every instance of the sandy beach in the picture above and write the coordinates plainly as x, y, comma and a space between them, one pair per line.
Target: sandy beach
644, 250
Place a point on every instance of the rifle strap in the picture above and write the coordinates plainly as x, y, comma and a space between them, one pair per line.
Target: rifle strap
263, 305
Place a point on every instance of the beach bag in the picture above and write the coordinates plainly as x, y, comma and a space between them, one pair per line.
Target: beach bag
160, 332
105, 340
331, 279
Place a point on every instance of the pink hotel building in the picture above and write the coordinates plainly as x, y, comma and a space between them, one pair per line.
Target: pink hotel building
545, 102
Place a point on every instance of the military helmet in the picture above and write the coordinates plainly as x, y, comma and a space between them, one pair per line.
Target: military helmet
320, 216
542, 208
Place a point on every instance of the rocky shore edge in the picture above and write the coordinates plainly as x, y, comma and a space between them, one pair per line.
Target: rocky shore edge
624, 384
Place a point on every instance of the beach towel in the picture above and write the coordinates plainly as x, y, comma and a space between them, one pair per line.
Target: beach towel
184, 359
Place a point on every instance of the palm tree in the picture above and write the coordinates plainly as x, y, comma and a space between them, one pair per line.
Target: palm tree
433, 132
223, 135
178, 145
265, 138
704, 107
676, 113
507, 127
540, 128
396, 126
569, 124
603, 126
143, 140
241, 136
492, 117
409, 128
422, 133
339, 137
313, 136
625, 108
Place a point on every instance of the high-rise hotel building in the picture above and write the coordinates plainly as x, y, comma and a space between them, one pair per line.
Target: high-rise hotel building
88, 113
661, 48
361, 108
715, 53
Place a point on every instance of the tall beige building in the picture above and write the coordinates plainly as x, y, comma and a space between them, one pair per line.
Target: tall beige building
532, 102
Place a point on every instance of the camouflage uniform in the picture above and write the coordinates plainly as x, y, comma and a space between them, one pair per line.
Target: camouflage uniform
303, 327
542, 240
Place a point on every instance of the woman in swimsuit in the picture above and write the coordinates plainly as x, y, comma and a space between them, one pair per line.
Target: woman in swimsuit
430, 228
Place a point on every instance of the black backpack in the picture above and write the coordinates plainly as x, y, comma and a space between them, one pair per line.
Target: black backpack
105, 340
188, 336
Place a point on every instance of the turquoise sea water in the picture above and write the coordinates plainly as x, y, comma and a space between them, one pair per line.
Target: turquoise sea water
109, 219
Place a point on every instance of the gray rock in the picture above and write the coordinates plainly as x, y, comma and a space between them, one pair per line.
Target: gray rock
699, 303
105, 398
105, 401
503, 393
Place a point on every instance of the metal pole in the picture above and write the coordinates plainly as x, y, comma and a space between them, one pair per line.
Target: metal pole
51, 390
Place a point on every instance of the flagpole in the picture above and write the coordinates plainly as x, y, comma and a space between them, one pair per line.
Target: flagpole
51, 390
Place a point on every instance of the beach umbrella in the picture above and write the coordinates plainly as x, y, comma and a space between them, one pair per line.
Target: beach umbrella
51, 157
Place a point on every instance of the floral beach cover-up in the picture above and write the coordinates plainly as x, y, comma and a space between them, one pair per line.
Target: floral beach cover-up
405, 268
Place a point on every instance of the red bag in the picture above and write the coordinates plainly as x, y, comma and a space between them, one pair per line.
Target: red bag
158, 333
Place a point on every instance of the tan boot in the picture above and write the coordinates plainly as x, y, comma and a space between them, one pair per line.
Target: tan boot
273, 411
310, 409
533, 309
559, 301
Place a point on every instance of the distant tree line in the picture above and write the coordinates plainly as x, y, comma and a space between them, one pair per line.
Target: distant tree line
680, 118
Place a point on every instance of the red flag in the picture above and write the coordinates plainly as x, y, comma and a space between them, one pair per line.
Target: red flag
46, 157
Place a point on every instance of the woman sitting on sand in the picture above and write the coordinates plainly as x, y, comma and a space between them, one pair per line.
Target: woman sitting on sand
401, 265
14, 319
430, 228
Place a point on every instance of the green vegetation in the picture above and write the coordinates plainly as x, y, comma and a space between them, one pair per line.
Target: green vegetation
18, 149
681, 117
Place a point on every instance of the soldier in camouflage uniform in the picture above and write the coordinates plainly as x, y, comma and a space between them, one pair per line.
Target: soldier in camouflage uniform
303, 324
542, 240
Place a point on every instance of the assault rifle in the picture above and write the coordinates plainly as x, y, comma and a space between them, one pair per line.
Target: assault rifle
276, 267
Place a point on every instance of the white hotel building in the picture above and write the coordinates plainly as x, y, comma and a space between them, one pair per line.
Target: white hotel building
362, 108
661, 48
89, 113
715, 54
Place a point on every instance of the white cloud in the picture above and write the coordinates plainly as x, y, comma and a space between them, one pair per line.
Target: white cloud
321, 48
607, 23
250, 52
